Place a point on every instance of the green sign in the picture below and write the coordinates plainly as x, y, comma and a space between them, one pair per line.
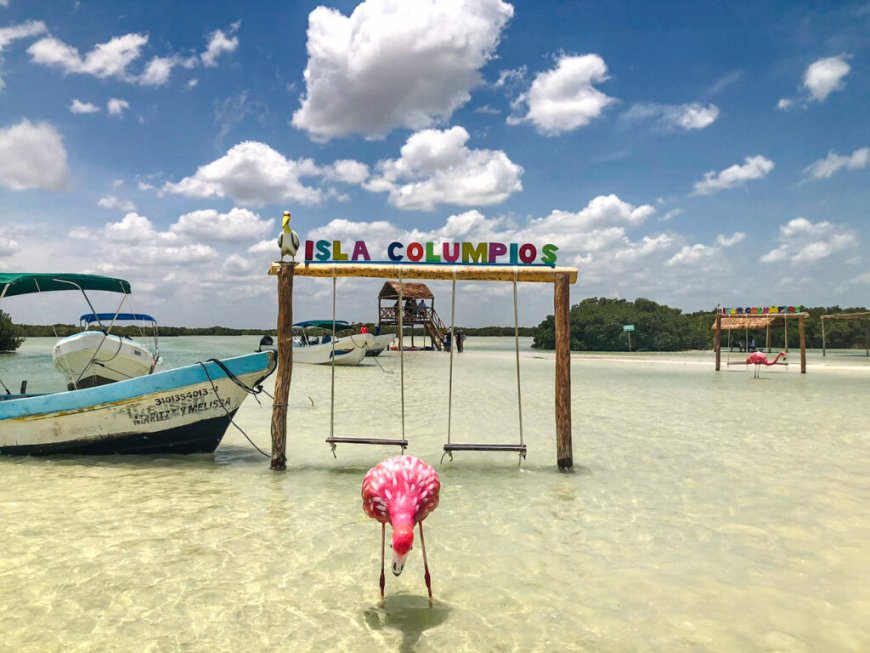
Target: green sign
628, 327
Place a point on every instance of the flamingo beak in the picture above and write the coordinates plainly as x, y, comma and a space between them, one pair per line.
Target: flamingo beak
398, 566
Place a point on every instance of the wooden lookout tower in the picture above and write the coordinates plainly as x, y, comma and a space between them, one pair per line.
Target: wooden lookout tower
415, 309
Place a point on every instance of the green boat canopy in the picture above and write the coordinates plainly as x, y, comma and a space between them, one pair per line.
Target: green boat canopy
22, 283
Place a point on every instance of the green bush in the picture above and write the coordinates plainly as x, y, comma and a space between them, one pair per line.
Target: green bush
10, 340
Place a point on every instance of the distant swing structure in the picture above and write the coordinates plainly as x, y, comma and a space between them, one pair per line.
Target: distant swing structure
451, 446
752, 321
561, 278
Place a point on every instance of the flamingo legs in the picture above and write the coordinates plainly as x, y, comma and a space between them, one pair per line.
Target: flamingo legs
426, 565
383, 544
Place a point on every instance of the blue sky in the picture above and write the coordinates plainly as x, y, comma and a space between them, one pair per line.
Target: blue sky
692, 153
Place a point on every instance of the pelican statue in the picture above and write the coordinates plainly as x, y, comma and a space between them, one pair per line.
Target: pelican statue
288, 240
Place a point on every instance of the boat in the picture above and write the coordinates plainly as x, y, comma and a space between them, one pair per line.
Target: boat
267, 343
185, 410
313, 344
97, 356
381, 343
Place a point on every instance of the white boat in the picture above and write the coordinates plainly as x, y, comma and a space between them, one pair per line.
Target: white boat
381, 343
96, 357
321, 350
185, 410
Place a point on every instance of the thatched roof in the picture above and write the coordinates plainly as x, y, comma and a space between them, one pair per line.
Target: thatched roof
731, 323
847, 316
409, 291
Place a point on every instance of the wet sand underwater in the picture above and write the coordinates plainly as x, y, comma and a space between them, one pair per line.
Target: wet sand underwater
707, 512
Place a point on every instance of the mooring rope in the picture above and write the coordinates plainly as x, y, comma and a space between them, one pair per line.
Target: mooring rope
238, 382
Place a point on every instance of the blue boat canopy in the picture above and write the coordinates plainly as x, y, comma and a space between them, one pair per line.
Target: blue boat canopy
323, 324
87, 318
22, 283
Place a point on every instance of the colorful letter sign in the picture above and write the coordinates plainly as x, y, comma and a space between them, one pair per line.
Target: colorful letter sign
429, 252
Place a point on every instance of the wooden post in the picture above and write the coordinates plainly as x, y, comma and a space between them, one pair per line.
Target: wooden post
564, 450
285, 366
803, 340
717, 340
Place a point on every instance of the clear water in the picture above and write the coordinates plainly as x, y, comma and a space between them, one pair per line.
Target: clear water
707, 512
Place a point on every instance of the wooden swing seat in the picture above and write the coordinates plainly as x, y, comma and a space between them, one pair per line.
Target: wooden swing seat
521, 448
382, 441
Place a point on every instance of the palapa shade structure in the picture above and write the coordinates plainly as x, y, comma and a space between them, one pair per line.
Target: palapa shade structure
747, 323
409, 291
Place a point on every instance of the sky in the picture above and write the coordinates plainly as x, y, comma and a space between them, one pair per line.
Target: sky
691, 153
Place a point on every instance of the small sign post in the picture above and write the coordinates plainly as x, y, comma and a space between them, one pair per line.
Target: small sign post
628, 328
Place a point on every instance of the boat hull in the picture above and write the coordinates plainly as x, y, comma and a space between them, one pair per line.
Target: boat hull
185, 410
93, 358
349, 350
381, 343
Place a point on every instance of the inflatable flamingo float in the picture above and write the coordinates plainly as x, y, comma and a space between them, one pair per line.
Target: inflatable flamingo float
758, 359
402, 490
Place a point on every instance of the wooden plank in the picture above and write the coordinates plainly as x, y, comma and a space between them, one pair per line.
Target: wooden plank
381, 441
485, 447
541, 274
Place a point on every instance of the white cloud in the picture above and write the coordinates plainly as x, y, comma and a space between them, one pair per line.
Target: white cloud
395, 63
157, 71
436, 167
132, 228
564, 98
218, 43
825, 76
729, 241
671, 117
20, 31
784, 104
235, 226
803, 241
347, 171
602, 211
510, 77
117, 106
833, 163
109, 59
8, 246
670, 215
32, 155
251, 173
693, 255
83, 107
755, 167
112, 202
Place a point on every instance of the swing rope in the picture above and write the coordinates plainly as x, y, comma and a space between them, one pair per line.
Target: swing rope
450, 447
332, 440
517, 349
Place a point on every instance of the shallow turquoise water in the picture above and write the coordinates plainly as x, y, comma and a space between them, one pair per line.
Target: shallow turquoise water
707, 512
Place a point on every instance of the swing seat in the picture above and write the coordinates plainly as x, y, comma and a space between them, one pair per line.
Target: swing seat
382, 441
519, 448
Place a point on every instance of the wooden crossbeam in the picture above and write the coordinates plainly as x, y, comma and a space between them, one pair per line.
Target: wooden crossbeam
485, 447
381, 441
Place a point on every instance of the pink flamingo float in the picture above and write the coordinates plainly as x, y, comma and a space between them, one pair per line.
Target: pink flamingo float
758, 359
402, 490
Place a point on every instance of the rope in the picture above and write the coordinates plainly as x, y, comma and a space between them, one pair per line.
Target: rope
221, 401
452, 347
517, 348
332, 365
402, 349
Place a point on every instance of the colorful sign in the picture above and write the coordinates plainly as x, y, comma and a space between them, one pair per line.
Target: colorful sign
760, 310
428, 252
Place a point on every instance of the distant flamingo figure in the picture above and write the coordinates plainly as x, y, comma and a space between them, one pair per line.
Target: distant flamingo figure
758, 359
402, 490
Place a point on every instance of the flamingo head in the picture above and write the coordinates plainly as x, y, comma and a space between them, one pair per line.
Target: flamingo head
403, 542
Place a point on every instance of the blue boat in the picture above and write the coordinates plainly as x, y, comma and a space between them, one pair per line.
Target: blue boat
182, 411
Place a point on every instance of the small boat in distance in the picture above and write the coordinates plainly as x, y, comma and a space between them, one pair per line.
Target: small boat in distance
97, 356
185, 410
313, 343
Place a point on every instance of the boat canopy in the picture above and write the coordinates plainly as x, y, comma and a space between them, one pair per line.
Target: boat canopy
87, 318
22, 283
322, 324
